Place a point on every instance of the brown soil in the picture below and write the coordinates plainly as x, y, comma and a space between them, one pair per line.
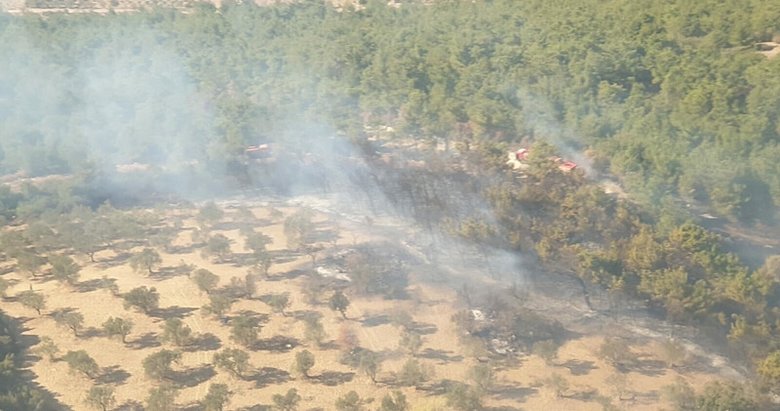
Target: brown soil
520, 381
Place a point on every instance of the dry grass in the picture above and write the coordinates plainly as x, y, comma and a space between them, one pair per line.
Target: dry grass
431, 305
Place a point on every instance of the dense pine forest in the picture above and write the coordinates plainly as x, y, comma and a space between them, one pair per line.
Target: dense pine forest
671, 99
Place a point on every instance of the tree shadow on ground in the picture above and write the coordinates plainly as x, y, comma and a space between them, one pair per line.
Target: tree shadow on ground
180, 249
119, 258
436, 387
164, 273
193, 376
130, 405
332, 378
289, 275
256, 407
277, 343
89, 285
513, 392
172, 311
304, 314
261, 318
375, 320
582, 395
148, 340
648, 366
204, 342
90, 332
440, 355
269, 376
579, 367
113, 375
423, 328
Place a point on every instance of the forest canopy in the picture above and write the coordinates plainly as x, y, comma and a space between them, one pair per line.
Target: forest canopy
672, 97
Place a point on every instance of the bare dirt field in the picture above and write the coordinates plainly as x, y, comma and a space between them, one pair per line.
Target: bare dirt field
522, 380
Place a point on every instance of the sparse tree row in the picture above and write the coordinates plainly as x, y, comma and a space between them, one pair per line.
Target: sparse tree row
164, 365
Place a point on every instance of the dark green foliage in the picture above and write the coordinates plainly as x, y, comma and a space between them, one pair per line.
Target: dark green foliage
349, 402
145, 260
615, 351
313, 329
217, 246
64, 269
339, 302
483, 377
205, 280
47, 348
33, 300
175, 332
279, 302
16, 394
257, 242
80, 361
70, 319
162, 398
29, 262
369, 363
288, 401
462, 397
671, 98
157, 366
219, 304
210, 214
769, 369
217, 397
410, 341
101, 397
233, 360
143, 298
304, 361
414, 373
244, 330
725, 397
298, 229
118, 327
395, 401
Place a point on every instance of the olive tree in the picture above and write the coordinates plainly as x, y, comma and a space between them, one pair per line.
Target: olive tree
395, 401
339, 302
219, 304
217, 246
70, 319
118, 327
32, 299
157, 366
162, 398
287, 402
244, 329
47, 348
176, 332
279, 302
64, 269
80, 361
205, 280
216, 398
146, 260
143, 298
351, 401
304, 361
313, 329
101, 397
232, 360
